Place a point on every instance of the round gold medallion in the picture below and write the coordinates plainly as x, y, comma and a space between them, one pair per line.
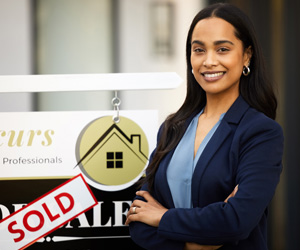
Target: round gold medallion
112, 155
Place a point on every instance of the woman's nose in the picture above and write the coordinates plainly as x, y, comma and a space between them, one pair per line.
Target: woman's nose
210, 60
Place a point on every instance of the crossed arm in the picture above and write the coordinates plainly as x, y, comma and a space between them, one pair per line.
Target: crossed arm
151, 211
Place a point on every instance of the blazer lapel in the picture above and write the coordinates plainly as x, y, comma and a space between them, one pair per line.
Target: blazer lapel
213, 145
233, 115
164, 192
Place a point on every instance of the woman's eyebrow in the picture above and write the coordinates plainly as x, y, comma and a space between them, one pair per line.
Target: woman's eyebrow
223, 41
215, 43
198, 42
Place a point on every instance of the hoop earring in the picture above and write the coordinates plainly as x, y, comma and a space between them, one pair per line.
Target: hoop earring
246, 70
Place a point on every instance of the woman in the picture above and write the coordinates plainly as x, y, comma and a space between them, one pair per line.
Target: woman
218, 158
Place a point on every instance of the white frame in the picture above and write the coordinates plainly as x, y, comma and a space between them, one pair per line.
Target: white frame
89, 82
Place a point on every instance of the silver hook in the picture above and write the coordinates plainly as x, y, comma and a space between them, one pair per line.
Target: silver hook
116, 102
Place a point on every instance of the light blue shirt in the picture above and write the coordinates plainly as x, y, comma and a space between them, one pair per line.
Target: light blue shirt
181, 167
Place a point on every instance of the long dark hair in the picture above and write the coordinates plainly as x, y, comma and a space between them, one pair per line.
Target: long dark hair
256, 88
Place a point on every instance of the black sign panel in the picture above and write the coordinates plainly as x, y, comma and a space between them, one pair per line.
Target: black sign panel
102, 227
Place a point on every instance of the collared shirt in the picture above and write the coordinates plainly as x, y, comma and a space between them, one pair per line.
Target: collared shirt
182, 165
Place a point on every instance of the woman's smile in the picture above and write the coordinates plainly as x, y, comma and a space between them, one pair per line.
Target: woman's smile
213, 76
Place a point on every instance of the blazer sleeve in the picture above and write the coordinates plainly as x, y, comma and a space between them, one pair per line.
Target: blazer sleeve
147, 236
258, 148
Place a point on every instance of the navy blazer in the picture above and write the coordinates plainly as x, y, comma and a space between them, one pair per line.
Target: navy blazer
246, 149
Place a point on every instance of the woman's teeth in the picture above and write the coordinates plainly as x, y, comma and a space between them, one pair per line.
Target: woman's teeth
214, 74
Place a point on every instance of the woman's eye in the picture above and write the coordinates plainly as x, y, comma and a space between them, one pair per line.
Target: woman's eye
198, 50
223, 50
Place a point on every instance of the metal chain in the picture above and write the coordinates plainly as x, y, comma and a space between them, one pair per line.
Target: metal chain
116, 102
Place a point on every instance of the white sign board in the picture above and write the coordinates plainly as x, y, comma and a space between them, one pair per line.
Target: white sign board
43, 144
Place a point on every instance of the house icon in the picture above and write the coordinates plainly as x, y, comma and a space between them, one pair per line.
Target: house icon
116, 156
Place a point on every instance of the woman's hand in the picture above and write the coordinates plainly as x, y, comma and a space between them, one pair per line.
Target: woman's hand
233, 193
195, 246
149, 212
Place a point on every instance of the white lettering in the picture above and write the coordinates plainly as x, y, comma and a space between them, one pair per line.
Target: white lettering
4, 211
119, 214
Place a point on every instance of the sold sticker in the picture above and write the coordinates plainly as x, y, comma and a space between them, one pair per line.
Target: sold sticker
46, 214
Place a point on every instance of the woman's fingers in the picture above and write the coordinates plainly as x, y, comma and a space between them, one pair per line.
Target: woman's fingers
145, 194
233, 193
195, 246
149, 212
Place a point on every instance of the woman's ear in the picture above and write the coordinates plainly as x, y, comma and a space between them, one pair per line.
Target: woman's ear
247, 56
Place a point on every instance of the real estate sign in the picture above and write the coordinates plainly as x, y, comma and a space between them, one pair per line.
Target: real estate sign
42, 150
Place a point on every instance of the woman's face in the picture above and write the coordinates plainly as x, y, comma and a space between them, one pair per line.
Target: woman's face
218, 57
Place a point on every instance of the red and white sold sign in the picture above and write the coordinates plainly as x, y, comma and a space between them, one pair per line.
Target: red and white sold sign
46, 214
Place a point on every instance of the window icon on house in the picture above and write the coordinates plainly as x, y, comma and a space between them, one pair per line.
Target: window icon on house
112, 156
114, 159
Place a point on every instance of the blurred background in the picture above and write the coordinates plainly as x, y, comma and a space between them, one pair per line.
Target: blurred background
112, 36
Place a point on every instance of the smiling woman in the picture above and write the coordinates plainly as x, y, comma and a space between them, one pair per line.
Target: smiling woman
218, 158
218, 58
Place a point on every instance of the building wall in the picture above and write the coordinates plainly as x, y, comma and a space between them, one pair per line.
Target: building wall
74, 37
15, 50
132, 52
136, 53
